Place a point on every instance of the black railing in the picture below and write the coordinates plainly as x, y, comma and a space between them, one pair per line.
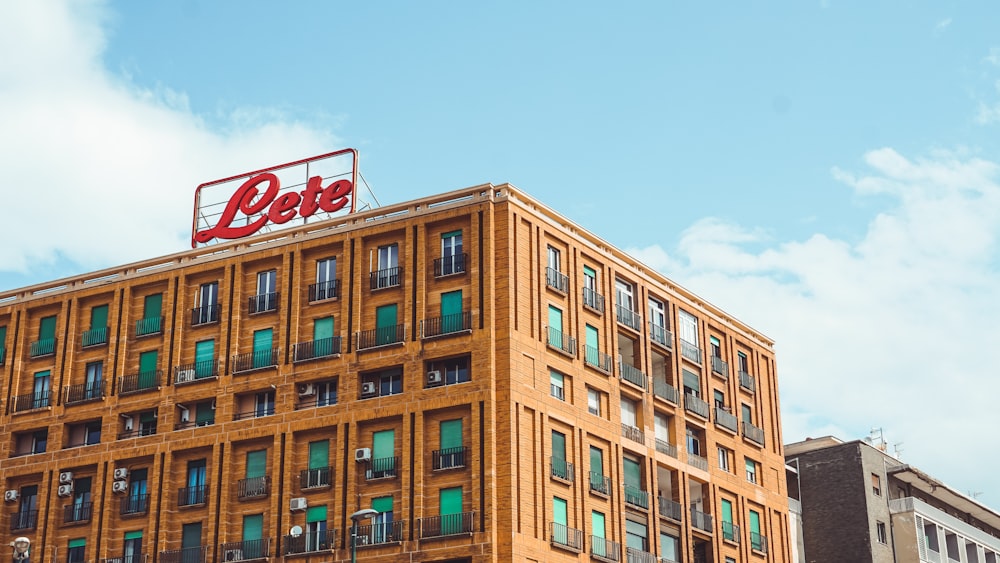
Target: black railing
311, 542
205, 315
449, 458
562, 342
593, 300
665, 391
565, 537
152, 325
633, 433
447, 525
628, 317
381, 533
246, 550
556, 280
448, 265
84, 392
691, 351
605, 549
139, 382
382, 336
670, 509
696, 405
595, 358
263, 303
758, 542
730, 532
134, 505
43, 347
186, 555
600, 484
142, 429
636, 497
632, 374
660, 335
447, 324
199, 370
720, 367
747, 382
753, 433
388, 277
78, 512
315, 478
23, 520
258, 359
324, 290
726, 419
184, 425
94, 337
382, 468
256, 412
701, 521
322, 348
560, 468
252, 487
135, 557
32, 401
189, 496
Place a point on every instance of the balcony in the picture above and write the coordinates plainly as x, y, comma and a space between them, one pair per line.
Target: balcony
258, 411
449, 458
84, 392
143, 429
77, 513
753, 433
246, 550
139, 382
564, 537
382, 468
446, 525
258, 359
556, 280
192, 496
133, 558
146, 327
695, 460
184, 425
747, 382
605, 550
665, 447
23, 520
669, 509
633, 555
636, 497
597, 359
94, 337
660, 335
317, 478
187, 373
380, 534
322, 291
701, 521
628, 317
665, 391
695, 405
311, 542
207, 314
758, 542
315, 349
43, 347
448, 324
263, 303
134, 505
186, 555
726, 419
633, 433
388, 277
253, 487
561, 342
593, 300
600, 484
382, 336
691, 352
730, 532
561, 469
720, 367
450, 265
632, 374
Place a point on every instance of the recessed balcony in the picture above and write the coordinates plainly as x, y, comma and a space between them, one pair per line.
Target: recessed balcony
446, 525
315, 349
660, 335
628, 317
554, 279
593, 300
665, 391
753, 433
701, 521
696, 406
632, 374
726, 419
720, 367
382, 336
669, 509
448, 324
94, 337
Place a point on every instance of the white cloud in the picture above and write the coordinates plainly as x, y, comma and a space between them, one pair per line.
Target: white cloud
942, 25
96, 168
892, 331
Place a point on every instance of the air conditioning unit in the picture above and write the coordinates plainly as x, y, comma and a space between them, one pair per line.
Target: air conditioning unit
362, 454
185, 375
298, 503
10, 495
65, 477
185, 413
119, 486
64, 490
434, 377
307, 389
368, 389
121, 473
128, 423
233, 555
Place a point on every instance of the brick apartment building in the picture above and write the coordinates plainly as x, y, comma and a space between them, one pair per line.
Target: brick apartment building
496, 382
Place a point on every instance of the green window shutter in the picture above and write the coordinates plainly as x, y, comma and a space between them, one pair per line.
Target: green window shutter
555, 318
559, 511
451, 234
592, 337
692, 380
41, 374
382, 504
99, 317
383, 444
755, 522
596, 460
451, 501
205, 413
204, 351
47, 328
319, 455
589, 272
633, 475
153, 306
136, 535
191, 535
558, 445
3, 335
147, 417
148, 361
316, 514
727, 511
253, 527
597, 524
262, 340
451, 434
385, 316
323, 328
78, 542
451, 311
256, 463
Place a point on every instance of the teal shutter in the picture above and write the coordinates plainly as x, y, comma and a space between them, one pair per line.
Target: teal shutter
204, 358
262, 343
253, 527
136, 535
205, 414
596, 460
592, 337
99, 317
597, 525
152, 307
558, 445
47, 328
451, 501
385, 324
559, 531
727, 511
323, 337
755, 522
316, 514
633, 475
382, 504
78, 542
256, 464
191, 535
383, 444
451, 311
692, 381
555, 319
589, 272
148, 361
319, 455
451, 434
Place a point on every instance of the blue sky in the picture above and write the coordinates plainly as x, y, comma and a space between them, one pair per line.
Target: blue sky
827, 171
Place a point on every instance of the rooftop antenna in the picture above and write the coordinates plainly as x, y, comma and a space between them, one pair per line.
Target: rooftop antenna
897, 449
975, 494
876, 438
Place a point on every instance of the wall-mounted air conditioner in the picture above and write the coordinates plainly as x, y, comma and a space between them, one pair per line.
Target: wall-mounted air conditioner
121, 473
64, 490
10, 495
298, 503
119, 486
233, 555
128, 423
185, 375
65, 477
307, 389
434, 377
368, 389
362, 454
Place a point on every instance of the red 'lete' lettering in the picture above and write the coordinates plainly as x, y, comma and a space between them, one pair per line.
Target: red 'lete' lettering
280, 208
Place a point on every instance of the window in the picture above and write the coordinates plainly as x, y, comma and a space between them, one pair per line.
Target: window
661, 426
688, 327
692, 384
453, 370
554, 259
98, 333
742, 363
554, 277
635, 493
560, 468
452, 452
623, 295
132, 547
207, 309
383, 462
46, 343
657, 321
452, 319
386, 329
636, 535
40, 398
204, 359
253, 533
195, 492
729, 530
449, 505
81, 507
876, 485
751, 466
720, 398
452, 258
318, 472
716, 346
316, 539
191, 535
148, 362
692, 442
326, 280
255, 483
592, 351
670, 547
559, 519
591, 296
387, 267
556, 385
381, 528
593, 401
266, 298
629, 412
263, 353
93, 388
263, 404
599, 545
880, 531
137, 501
724, 459
152, 315
76, 551
757, 541
598, 482
26, 516
204, 413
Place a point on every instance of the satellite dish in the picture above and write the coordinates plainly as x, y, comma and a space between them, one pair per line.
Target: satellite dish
296, 531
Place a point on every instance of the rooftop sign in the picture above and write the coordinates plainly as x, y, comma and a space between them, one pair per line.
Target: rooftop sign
281, 196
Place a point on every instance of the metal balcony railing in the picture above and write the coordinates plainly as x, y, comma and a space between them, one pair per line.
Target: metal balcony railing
564, 537
43, 347
322, 291
758, 542
597, 359
747, 382
382, 468
311, 542
380, 533
726, 419
605, 550
665, 447
315, 478
730, 532
190, 496
131, 558
720, 367
258, 359
660, 335
695, 405
77, 512
85, 392
449, 265
600, 484
670, 509
139, 382
134, 505
633, 433
633, 555
560, 468
632, 374
562, 342
556, 280
206, 314
636, 497
184, 425
753, 433
447, 324
388, 277
449, 458
691, 351
23, 520
695, 460
701, 521
94, 337
382, 336
665, 391
628, 317
322, 348
557, 391
446, 525
196, 371
593, 300
256, 412
152, 325
186, 555
263, 303
138, 431
246, 550
253, 487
